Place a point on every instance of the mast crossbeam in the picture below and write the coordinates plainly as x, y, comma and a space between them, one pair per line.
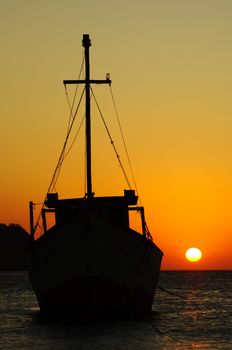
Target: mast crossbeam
69, 82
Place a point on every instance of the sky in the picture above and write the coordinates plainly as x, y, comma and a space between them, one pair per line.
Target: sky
170, 65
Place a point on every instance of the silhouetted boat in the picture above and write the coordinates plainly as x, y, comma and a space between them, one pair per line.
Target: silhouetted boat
91, 262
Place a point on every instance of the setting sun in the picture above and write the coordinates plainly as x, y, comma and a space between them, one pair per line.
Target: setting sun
193, 254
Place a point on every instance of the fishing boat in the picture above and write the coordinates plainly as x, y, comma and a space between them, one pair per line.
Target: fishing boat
91, 262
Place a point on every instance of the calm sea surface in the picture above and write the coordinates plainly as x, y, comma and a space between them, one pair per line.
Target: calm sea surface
197, 315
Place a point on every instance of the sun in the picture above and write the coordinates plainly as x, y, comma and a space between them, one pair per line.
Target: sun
193, 254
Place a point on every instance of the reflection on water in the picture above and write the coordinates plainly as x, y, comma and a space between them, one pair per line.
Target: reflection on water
200, 320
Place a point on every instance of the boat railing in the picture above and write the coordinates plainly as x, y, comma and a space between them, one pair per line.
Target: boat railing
141, 211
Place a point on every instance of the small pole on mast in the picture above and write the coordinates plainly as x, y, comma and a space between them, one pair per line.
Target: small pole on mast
32, 229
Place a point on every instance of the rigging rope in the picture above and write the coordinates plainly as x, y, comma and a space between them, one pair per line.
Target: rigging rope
70, 124
148, 234
74, 97
124, 143
111, 141
78, 130
62, 156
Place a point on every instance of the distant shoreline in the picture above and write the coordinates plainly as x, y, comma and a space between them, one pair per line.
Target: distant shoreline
14, 242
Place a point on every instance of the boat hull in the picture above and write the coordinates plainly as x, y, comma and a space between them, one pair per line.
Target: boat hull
89, 267
91, 296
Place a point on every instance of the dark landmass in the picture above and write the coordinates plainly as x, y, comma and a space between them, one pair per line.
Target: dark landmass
14, 241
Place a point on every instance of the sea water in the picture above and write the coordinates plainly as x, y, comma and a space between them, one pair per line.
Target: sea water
192, 310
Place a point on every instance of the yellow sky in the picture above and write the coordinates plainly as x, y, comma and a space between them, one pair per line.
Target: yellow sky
170, 64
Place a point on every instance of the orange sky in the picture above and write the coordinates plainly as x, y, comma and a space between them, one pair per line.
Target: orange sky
170, 63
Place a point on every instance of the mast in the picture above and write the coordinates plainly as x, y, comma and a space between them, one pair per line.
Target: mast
86, 43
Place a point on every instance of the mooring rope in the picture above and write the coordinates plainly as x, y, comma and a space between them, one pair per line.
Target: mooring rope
171, 293
148, 319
